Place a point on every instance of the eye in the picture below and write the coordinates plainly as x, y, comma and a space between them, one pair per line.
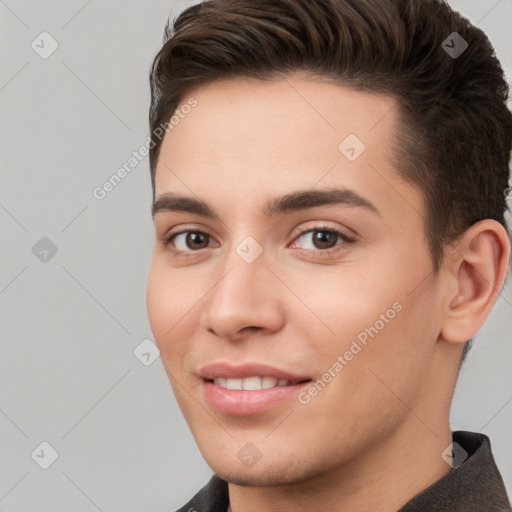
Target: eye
321, 238
187, 241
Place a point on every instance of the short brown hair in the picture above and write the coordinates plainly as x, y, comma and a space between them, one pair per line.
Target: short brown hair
456, 145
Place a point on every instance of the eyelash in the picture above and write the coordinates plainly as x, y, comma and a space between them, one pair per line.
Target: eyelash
345, 240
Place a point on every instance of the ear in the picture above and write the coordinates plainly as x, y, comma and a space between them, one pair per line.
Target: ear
478, 266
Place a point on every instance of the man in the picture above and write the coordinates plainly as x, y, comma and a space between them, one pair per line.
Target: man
330, 185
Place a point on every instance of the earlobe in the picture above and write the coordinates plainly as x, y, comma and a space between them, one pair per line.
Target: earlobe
480, 270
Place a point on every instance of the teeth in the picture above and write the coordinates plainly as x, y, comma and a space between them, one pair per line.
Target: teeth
268, 382
251, 383
234, 383
220, 382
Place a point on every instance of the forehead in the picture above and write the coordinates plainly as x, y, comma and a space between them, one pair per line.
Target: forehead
294, 108
246, 139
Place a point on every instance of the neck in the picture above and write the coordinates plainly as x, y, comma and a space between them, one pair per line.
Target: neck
382, 480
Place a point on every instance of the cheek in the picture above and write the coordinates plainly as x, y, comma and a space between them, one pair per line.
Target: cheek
339, 303
169, 304
387, 336
157, 297
377, 306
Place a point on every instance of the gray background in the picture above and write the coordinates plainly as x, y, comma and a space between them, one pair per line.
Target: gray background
70, 325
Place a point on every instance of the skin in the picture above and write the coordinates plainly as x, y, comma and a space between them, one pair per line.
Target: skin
372, 438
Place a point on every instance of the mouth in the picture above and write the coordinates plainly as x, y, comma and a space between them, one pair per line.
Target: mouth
248, 389
253, 383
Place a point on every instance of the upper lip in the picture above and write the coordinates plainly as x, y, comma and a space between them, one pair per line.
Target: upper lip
229, 371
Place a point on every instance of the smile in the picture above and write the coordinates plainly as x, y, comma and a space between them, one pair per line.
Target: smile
251, 383
251, 388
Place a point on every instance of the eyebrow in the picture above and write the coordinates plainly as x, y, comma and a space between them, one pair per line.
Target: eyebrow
294, 201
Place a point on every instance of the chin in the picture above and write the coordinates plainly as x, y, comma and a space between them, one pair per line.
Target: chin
265, 475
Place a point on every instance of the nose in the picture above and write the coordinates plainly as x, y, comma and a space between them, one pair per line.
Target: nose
245, 299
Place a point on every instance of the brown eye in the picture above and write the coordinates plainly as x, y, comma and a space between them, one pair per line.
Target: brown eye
197, 240
190, 240
324, 239
320, 239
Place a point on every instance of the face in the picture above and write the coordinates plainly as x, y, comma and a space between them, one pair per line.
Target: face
290, 260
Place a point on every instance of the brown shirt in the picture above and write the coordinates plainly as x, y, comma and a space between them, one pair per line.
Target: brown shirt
474, 486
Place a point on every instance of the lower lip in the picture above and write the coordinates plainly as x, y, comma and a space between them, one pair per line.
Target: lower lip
243, 403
